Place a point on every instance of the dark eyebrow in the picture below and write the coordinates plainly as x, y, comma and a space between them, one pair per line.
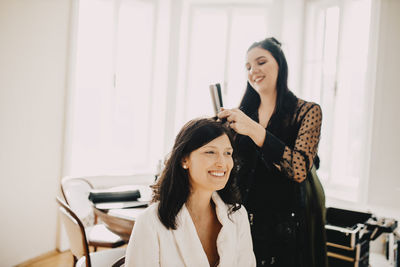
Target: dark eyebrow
229, 147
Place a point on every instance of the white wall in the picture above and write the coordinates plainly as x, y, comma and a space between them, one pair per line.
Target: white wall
384, 184
33, 54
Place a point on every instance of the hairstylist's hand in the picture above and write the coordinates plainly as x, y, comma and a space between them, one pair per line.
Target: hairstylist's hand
243, 124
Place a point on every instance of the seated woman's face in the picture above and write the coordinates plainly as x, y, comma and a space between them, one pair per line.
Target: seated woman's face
210, 165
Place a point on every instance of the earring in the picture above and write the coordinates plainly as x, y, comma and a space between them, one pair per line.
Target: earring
184, 166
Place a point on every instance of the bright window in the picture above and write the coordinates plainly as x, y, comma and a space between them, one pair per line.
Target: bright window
217, 39
113, 86
336, 54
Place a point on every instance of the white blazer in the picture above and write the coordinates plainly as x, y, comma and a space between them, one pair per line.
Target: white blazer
152, 244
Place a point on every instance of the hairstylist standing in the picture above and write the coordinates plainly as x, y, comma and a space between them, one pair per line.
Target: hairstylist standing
277, 140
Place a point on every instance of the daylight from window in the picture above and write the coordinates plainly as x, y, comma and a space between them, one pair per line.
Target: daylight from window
115, 107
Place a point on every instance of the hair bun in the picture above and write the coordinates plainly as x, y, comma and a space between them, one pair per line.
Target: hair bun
273, 39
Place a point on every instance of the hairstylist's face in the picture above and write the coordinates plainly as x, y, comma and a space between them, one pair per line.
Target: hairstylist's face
209, 166
262, 70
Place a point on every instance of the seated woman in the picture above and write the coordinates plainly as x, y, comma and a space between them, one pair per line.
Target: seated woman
195, 219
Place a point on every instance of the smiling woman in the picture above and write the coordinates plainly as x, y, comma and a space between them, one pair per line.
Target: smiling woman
277, 137
210, 165
196, 197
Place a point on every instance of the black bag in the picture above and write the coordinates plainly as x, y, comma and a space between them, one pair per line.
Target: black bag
97, 196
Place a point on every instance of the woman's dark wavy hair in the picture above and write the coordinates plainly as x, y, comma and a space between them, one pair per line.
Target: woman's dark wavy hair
286, 101
172, 189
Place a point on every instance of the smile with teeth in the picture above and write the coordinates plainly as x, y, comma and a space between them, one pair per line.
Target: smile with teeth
258, 79
217, 173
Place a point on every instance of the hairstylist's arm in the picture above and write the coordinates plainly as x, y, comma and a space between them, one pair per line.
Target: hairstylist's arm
244, 125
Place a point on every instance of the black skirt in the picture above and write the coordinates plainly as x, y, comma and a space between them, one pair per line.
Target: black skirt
290, 235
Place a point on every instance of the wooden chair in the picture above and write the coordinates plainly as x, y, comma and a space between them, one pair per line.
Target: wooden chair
78, 242
76, 192
105, 258
119, 262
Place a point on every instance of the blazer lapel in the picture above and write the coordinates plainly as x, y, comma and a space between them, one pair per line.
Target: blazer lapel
187, 240
227, 239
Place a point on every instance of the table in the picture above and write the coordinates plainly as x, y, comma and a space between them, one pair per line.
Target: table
119, 221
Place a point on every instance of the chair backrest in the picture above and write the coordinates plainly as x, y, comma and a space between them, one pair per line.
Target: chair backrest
105, 258
75, 231
120, 262
76, 193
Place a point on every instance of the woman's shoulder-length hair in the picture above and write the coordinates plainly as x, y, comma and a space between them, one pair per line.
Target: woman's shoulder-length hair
172, 189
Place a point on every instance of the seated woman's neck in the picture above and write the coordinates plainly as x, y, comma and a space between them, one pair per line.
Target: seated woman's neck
202, 211
199, 203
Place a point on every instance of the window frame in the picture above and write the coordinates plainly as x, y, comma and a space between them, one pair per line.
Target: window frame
339, 191
188, 7
154, 149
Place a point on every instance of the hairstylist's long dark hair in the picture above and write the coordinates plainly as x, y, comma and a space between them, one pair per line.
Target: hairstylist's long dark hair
286, 101
173, 187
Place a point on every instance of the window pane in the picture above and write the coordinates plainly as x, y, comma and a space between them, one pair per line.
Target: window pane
243, 34
93, 82
111, 100
219, 38
351, 112
328, 86
206, 63
131, 114
335, 73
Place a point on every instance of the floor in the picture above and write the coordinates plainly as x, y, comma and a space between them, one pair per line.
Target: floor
53, 259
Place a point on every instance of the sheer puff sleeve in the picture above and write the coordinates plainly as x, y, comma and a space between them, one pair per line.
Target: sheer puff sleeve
297, 161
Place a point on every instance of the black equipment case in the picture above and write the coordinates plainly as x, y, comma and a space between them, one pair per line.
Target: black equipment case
348, 236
